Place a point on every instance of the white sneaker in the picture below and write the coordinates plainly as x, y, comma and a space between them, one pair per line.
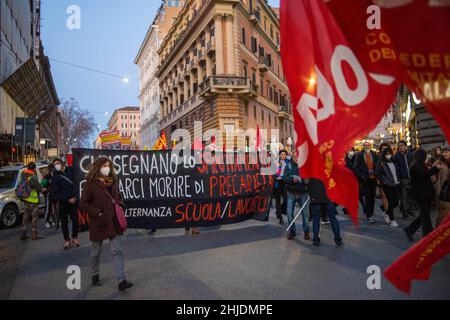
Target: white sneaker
371, 220
386, 218
47, 225
394, 224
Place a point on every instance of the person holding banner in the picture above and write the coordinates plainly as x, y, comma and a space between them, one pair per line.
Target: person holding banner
64, 192
279, 189
296, 192
100, 190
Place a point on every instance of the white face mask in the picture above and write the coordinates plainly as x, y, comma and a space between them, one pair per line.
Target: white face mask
388, 157
351, 154
58, 167
367, 150
105, 171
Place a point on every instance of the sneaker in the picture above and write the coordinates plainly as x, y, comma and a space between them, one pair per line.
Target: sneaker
53, 224
339, 243
325, 222
386, 218
370, 220
48, 225
316, 243
291, 236
125, 285
394, 224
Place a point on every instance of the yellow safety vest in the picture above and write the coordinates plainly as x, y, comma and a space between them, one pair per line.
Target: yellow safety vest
34, 196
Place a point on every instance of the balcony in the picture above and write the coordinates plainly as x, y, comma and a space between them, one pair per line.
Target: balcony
194, 65
283, 112
263, 64
202, 55
222, 84
255, 17
211, 46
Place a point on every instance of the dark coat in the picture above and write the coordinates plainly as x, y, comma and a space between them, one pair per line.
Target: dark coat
62, 190
402, 162
385, 175
95, 200
360, 167
317, 192
421, 185
291, 186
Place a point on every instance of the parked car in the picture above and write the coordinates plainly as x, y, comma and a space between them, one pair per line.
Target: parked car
11, 208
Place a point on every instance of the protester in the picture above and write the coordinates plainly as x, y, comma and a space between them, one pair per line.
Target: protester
384, 201
387, 175
100, 190
402, 161
441, 190
50, 204
364, 168
30, 181
64, 192
296, 192
320, 203
349, 164
279, 188
422, 192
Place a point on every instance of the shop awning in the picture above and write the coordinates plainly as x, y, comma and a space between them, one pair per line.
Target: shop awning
29, 90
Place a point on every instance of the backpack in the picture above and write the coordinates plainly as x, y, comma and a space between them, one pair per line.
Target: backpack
24, 190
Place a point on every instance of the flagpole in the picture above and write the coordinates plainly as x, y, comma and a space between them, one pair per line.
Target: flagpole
303, 207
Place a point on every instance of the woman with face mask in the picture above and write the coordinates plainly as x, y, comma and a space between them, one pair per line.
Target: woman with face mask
387, 175
99, 192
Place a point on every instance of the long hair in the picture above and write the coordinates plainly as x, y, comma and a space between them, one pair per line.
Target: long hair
94, 170
419, 157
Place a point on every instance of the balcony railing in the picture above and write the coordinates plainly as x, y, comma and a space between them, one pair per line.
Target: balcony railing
224, 84
264, 63
211, 45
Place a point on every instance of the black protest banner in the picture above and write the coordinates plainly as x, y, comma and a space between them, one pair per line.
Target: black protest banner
161, 192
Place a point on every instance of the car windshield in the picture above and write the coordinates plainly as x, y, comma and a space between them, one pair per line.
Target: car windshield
8, 179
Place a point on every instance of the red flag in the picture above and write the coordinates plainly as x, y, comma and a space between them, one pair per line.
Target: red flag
335, 100
416, 263
413, 45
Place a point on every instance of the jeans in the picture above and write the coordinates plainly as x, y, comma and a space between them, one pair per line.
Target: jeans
424, 219
115, 245
300, 199
65, 210
330, 210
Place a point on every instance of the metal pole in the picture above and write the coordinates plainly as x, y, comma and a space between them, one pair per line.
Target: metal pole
303, 207
23, 145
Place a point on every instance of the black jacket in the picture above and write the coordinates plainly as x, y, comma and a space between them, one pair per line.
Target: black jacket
421, 185
402, 162
290, 170
360, 167
317, 191
62, 189
385, 175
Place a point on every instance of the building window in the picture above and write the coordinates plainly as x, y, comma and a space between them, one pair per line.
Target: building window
271, 32
244, 69
262, 115
254, 45
254, 76
254, 111
243, 36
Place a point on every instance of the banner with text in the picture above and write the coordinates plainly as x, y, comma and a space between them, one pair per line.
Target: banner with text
160, 192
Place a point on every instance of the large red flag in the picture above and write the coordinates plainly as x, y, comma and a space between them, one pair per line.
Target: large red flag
412, 45
416, 263
335, 99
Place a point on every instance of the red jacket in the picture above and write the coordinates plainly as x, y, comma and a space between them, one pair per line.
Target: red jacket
99, 206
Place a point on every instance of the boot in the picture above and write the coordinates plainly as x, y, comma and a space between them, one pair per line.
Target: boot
34, 236
307, 237
125, 285
281, 221
24, 235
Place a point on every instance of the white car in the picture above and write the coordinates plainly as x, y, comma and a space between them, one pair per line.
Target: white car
11, 207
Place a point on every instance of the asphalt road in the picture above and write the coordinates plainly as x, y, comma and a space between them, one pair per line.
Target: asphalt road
250, 260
